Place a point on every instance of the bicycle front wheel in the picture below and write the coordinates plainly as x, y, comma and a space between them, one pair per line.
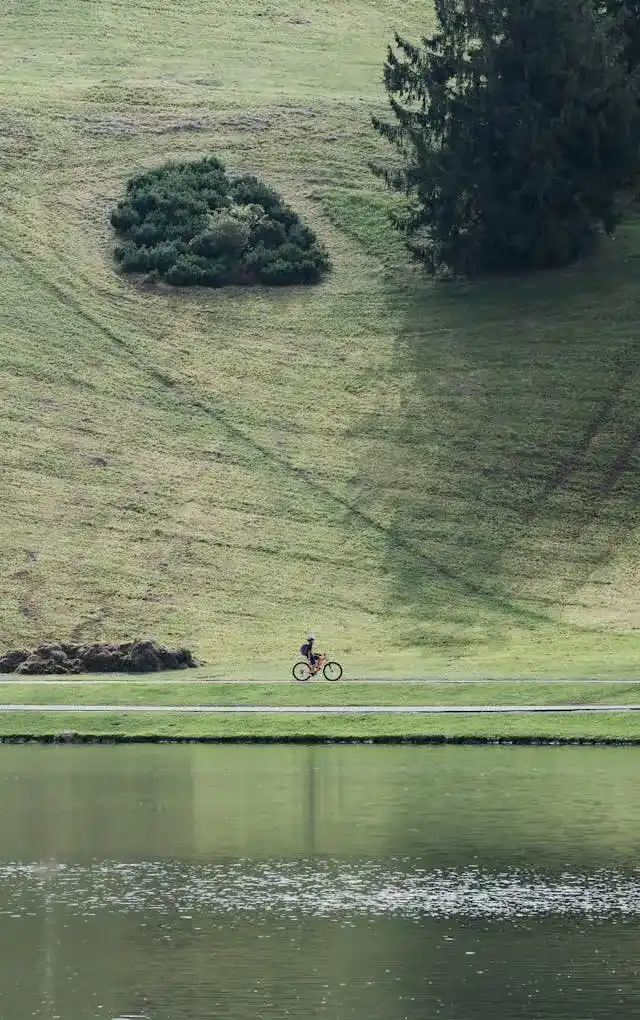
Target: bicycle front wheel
302, 671
332, 671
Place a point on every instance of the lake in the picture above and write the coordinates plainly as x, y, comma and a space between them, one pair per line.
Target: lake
366, 882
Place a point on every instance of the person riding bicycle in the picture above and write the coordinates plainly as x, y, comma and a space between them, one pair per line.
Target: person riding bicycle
307, 650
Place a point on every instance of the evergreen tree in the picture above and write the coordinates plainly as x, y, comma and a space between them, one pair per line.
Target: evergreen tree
517, 126
627, 14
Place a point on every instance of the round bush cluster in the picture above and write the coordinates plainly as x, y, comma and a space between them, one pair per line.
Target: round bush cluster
191, 224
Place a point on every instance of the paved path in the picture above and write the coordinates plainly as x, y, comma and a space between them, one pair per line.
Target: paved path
86, 679
326, 709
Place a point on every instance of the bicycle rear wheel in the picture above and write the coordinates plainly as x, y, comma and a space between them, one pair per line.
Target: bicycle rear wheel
332, 671
302, 671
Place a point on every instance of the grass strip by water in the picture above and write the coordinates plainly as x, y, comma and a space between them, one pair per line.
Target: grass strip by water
552, 727
320, 694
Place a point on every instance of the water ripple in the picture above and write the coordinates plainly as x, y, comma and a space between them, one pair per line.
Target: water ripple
321, 888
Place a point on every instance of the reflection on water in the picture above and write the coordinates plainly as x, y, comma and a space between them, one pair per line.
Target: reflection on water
369, 883
319, 888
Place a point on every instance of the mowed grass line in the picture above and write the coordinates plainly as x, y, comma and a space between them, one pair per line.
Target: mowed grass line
434, 479
316, 694
581, 726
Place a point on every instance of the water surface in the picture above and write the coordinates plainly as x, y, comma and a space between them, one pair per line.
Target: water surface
369, 882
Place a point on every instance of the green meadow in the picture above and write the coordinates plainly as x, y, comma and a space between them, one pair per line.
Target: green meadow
436, 478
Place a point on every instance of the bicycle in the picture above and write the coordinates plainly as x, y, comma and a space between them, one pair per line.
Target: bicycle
330, 670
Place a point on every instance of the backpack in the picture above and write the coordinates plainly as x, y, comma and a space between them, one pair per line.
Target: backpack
304, 650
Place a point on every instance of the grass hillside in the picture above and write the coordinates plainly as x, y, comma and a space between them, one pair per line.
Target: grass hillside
433, 477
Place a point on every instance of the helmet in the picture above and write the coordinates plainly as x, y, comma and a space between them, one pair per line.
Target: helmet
311, 637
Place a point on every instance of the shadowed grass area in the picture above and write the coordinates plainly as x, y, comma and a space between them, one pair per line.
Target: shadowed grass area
435, 478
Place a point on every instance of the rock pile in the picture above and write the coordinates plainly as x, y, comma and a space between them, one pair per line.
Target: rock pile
126, 657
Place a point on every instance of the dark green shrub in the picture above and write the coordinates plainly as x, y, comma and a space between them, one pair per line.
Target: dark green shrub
277, 273
184, 271
250, 191
285, 214
133, 259
257, 258
226, 236
191, 224
301, 235
164, 256
125, 217
269, 232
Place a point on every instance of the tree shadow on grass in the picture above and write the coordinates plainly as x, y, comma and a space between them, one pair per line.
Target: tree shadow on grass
508, 464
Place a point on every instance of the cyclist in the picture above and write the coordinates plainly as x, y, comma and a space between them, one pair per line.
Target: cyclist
307, 650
